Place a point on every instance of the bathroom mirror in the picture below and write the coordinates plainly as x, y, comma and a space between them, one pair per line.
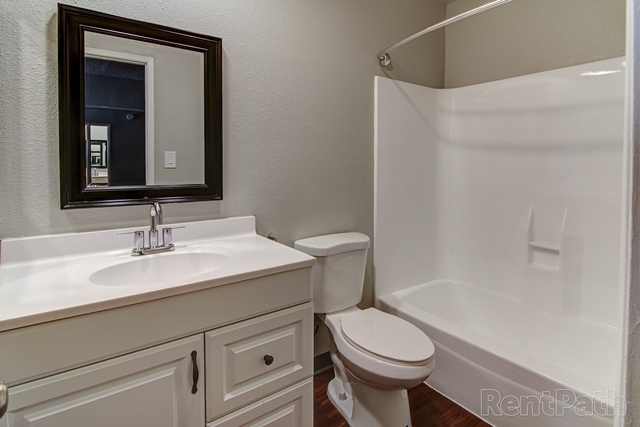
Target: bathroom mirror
140, 112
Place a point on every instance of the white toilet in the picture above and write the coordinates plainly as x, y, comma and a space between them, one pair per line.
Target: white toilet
376, 356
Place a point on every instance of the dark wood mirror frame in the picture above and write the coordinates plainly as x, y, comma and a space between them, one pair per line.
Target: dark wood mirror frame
74, 193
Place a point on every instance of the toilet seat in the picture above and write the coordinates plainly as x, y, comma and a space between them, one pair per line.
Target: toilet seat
372, 368
387, 337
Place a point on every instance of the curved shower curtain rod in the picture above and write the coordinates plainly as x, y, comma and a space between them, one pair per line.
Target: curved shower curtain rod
384, 57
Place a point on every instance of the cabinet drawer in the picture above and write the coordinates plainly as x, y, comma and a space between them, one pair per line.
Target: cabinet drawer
292, 407
249, 360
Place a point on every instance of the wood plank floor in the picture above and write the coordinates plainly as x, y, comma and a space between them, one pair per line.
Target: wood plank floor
428, 408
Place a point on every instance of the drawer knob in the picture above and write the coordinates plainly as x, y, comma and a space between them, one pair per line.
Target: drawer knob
268, 360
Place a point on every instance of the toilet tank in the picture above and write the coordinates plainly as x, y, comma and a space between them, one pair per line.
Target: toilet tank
338, 276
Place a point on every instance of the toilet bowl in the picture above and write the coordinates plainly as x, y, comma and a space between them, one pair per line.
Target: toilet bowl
376, 356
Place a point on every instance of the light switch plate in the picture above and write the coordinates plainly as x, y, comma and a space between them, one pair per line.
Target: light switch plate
169, 159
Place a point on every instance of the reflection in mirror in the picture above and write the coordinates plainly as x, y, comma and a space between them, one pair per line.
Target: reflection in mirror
140, 112
98, 143
121, 77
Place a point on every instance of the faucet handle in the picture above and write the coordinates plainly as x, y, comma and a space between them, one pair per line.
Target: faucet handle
138, 241
167, 237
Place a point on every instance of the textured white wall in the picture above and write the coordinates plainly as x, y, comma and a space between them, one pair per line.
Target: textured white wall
529, 36
298, 109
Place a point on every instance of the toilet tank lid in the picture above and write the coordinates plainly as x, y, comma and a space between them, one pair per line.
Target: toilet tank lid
331, 244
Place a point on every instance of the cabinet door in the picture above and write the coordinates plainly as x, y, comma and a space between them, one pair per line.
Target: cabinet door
152, 387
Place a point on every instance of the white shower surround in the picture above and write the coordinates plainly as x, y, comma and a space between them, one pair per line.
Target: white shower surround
498, 209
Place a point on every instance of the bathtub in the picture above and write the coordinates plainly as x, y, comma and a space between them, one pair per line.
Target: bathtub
508, 364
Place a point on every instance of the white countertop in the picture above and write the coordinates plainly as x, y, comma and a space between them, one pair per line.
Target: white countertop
43, 278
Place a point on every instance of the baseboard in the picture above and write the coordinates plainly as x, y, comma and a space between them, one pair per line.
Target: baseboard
321, 363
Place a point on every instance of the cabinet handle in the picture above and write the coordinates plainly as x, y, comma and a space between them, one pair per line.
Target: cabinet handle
196, 372
268, 360
4, 399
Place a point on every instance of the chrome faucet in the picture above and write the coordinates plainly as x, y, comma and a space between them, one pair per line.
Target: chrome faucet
155, 207
155, 220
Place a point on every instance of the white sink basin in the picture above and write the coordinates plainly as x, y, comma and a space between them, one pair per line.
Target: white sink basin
160, 268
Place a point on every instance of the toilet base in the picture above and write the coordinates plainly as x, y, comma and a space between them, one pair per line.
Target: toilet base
340, 399
370, 406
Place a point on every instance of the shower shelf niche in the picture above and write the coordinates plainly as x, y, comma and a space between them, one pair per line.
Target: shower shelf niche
542, 253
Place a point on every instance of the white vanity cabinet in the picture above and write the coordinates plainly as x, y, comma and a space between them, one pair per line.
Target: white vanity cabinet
136, 365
